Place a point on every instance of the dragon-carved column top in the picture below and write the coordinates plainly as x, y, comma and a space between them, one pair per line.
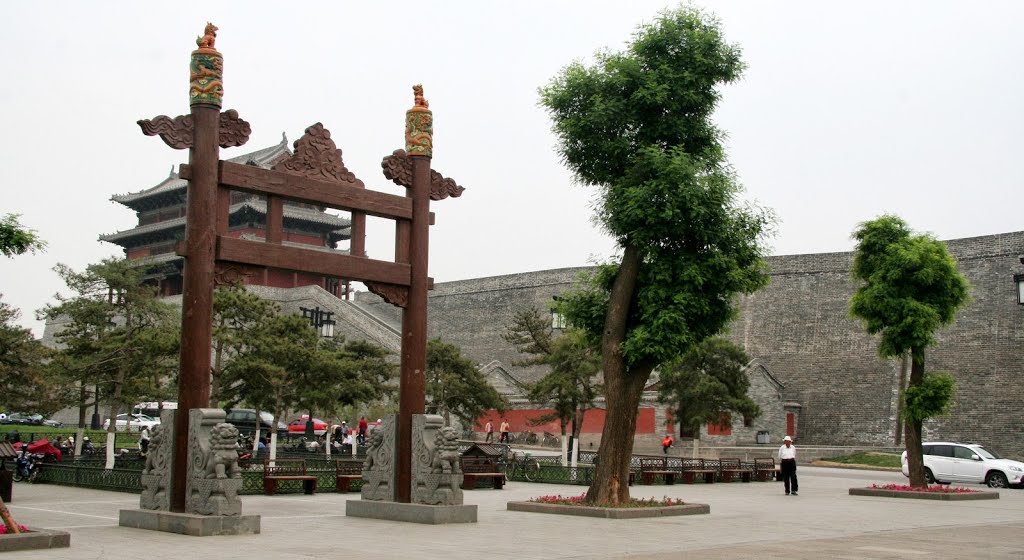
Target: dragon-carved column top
419, 126
206, 70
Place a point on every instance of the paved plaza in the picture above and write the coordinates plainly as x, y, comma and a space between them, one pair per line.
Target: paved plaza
747, 520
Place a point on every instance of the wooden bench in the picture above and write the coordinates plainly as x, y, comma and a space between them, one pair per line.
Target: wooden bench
287, 469
474, 468
693, 468
732, 468
345, 471
651, 467
765, 469
714, 467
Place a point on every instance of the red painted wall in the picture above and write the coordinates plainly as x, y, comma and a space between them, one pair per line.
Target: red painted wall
593, 421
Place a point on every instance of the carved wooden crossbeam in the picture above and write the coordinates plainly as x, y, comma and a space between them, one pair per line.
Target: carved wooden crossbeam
177, 132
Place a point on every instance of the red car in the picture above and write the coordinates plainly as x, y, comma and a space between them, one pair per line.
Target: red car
298, 426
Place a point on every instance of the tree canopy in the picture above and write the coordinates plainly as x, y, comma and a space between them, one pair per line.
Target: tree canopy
16, 239
637, 125
456, 386
708, 385
24, 383
909, 287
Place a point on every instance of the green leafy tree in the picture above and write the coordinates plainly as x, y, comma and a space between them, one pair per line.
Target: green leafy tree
637, 125
909, 288
116, 333
237, 313
16, 239
456, 386
572, 383
25, 384
708, 384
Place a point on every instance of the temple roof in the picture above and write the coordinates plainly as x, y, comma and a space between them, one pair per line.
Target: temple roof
171, 190
315, 219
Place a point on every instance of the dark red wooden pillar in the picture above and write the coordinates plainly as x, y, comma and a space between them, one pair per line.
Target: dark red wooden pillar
205, 93
412, 381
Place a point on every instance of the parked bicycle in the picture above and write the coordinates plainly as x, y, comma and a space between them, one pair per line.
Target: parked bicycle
551, 440
524, 466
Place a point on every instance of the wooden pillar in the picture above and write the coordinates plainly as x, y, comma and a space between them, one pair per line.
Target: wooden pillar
200, 241
412, 381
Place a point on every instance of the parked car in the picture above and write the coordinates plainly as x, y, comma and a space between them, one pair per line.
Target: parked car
298, 426
946, 462
132, 422
245, 420
30, 419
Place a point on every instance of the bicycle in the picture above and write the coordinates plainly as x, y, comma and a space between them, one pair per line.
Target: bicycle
551, 440
528, 438
524, 465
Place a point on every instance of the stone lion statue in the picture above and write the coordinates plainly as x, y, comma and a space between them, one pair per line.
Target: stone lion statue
222, 461
208, 38
446, 452
376, 440
155, 461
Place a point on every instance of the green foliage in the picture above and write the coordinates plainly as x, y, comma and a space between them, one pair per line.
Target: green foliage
708, 384
531, 333
910, 285
933, 397
573, 383
456, 386
870, 458
24, 383
237, 314
16, 239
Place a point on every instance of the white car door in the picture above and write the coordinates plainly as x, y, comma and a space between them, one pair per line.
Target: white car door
967, 468
941, 462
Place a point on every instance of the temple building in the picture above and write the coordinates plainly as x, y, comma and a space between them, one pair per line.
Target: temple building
161, 213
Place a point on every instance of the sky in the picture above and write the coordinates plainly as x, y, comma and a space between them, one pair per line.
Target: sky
847, 111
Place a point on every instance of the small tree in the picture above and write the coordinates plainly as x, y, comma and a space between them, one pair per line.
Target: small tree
909, 287
16, 239
708, 384
637, 125
237, 313
456, 386
25, 382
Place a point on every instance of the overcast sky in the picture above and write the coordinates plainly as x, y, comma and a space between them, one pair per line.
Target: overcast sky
847, 111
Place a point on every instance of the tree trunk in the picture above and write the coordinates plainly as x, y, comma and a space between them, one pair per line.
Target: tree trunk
623, 388
565, 443
218, 363
912, 436
898, 432
12, 527
83, 410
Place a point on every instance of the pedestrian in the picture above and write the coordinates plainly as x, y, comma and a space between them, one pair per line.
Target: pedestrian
666, 442
144, 440
489, 428
504, 431
363, 426
787, 465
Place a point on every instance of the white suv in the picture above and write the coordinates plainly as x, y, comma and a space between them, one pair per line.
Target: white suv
947, 462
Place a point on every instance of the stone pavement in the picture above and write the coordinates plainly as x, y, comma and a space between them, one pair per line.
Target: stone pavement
747, 520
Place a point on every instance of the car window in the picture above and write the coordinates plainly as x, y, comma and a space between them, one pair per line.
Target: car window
987, 453
962, 452
927, 449
942, 450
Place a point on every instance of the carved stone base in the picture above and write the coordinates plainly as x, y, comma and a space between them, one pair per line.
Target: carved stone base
214, 496
411, 513
190, 524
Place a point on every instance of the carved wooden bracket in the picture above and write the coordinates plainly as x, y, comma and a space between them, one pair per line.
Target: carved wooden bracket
177, 132
225, 274
317, 157
391, 293
398, 168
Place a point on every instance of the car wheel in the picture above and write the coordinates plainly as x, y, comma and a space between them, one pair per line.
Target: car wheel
996, 479
928, 476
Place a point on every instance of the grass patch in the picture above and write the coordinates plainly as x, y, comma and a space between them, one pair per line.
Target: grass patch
30, 433
870, 458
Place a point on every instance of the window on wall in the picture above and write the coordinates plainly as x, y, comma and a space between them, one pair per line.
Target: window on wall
723, 429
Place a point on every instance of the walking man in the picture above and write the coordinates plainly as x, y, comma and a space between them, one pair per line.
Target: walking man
504, 431
787, 465
489, 428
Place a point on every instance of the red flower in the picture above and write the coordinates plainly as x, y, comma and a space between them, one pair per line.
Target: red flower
936, 488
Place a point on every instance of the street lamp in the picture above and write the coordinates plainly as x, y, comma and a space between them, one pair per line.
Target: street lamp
324, 325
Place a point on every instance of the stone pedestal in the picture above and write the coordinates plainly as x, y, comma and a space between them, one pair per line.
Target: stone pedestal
190, 523
411, 513
34, 539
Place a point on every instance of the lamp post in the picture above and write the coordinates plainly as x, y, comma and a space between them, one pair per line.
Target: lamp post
324, 325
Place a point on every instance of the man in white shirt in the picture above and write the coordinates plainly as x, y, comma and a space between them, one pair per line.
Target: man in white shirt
787, 465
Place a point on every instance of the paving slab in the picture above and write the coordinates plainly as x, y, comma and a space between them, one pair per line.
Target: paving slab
747, 520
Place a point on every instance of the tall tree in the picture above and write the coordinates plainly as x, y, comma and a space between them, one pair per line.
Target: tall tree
637, 125
116, 332
572, 383
16, 239
456, 386
708, 384
909, 288
237, 313
24, 380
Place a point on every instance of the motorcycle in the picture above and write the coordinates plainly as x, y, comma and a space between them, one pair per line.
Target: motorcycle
26, 466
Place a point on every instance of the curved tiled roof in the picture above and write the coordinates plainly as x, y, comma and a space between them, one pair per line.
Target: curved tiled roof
297, 213
173, 183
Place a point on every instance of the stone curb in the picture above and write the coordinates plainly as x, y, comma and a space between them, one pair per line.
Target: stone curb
610, 513
35, 539
942, 496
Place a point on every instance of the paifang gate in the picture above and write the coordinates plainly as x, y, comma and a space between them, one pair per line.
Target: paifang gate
314, 174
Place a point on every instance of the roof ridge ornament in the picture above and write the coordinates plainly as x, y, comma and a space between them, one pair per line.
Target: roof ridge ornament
316, 156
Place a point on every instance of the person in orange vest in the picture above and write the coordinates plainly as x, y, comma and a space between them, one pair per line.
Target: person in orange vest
666, 442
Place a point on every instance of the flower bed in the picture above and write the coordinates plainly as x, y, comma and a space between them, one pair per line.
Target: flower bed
575, 505
933, 492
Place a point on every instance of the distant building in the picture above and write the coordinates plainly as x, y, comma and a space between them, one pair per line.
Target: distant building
161, 213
